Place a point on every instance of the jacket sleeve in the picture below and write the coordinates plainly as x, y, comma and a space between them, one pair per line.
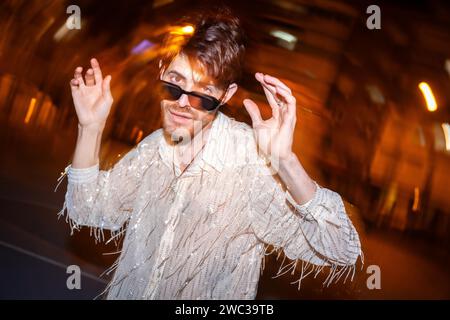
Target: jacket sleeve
104, 199
318, 233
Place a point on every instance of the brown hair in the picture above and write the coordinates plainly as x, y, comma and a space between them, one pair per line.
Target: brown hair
217, 45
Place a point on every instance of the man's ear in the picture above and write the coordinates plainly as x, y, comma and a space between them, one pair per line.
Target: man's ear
232, 88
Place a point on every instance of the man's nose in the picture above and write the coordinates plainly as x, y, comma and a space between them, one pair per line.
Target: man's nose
183, 101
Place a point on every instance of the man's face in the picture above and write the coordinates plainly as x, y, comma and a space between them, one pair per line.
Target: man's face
179, 118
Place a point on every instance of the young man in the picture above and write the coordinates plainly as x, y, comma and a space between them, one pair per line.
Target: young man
199, 198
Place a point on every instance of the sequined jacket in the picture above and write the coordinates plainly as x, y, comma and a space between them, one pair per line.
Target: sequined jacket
204, 234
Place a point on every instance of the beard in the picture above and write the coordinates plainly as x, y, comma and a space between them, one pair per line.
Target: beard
177, 129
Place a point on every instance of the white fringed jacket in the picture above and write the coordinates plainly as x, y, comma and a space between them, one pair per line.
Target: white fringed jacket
204, 234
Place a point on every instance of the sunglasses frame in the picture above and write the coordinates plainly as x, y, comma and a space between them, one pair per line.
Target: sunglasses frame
217, 102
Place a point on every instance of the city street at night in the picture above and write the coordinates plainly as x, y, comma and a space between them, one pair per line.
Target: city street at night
373, 112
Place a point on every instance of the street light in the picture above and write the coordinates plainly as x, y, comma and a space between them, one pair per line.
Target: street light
428, 95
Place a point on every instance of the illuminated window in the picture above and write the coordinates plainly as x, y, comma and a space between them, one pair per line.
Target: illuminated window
284, 39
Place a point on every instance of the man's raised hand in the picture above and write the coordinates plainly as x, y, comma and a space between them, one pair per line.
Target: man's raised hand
91, 96
275, 135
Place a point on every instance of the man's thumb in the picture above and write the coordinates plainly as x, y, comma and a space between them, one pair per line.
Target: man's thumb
253, 111
106, 87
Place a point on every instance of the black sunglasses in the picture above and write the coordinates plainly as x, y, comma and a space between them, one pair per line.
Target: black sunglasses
196, 99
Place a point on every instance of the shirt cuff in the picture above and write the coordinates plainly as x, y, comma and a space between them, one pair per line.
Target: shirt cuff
82, 175
317, 208
303, 207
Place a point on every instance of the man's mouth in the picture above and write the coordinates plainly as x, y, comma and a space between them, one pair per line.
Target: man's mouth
180, 116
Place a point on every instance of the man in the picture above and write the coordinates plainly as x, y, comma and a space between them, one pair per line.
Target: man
203, 197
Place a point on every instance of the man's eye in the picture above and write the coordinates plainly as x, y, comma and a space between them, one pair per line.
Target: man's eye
175, 78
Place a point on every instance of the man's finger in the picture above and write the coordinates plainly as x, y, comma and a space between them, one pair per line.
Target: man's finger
74, 85
97, 71
272, 102
285, 95
78, 76
253, 111
260, 77
90, 80
270, 88
106, 87
276, 82
291, 103
271, 94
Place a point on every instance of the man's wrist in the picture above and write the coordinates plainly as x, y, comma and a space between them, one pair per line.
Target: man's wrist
288, 162
88, 146
93, 127
298, 183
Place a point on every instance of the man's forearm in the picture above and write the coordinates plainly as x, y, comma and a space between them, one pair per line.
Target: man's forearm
299, 184
88, 146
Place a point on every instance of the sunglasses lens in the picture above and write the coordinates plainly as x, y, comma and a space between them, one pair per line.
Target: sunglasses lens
209, 104
171, 92
195, 102
203, 103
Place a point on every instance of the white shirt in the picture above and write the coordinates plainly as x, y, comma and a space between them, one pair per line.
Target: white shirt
203, 234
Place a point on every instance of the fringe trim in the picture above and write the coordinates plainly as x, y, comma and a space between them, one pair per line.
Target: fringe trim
61, 178
335, 272
98, 233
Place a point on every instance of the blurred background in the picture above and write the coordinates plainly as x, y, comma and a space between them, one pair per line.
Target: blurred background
373, 124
